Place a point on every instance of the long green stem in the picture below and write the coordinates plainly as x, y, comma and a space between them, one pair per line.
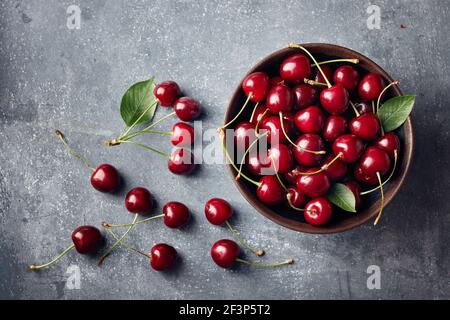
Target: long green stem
160, 120
253, 112
314, 83
239, 113
257, 123
382, 200
293, 45
55, 259
354, 61
126, 245
139, 132
247, 151
289, 261
276, 173
111, 248
138, 119
109, 225
258, 252
390, 176
354, 109
71, 151
382, 92
323, 168
165, 155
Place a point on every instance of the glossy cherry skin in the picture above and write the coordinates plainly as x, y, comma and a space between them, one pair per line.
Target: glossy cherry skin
295, 68
314, 185
270, 191
257, 84
292, 175
182, 134
296, 197
87, 239
163, 257
370, 86
244, 135
275, 133
317, 75
389, 142
280, 99
309, 120
105, 178
305, 95
139, 200
334, 127
281, 157
346, 76
218, 211
176, 214
337, 170
260, 114
167, 92
225, 252
181, 162
366, 126
350, 146
318, 211
259, 164
335, 99
356, 190
311, 142
363, 107
360, 176
187, 109
375, 160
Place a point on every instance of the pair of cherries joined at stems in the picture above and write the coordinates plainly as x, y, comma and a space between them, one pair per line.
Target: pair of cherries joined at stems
305, 166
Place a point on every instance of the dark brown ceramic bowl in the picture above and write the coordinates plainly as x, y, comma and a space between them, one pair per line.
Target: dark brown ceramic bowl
341, 221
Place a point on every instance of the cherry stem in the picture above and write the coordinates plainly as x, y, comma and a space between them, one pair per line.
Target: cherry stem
276, 173
289, 261
239, 113
288, 196
324, 167
55, 259
259, 121
258, 253
292, 142
165, 155
293, 45
354, 109
222, 136
390, 176
136, 133
247, 152
72, 151
382, 92
137, 120
108, 251
382, 199
126, 245
314, 83
254, 110
109, 225
354, 61
160, 120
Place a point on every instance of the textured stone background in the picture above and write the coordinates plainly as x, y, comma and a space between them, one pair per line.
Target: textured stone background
53, 77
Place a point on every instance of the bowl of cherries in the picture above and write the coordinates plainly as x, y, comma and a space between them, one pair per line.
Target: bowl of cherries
318, 138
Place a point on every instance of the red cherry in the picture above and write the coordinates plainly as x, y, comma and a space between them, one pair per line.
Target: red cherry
225, 252
181, 162
182, 134
337, 170
335, 99
363, 107
187, 109
375, 160
139, 200
218, 211
314, 185
312, 142
318, 77
273, 126
176, 214
260, 114
167, 92
389, 142
105, 178
360, 176
282, 158
87, 239
365, 126
270, 191
280, 99
258, 84
318, 211
309, 120
276, 80
334, 127
305, 95
295, 68
296, 197
350, 147
163, 257
370, 86
356, 190
347, 76
244, 135
292, 175
259, 164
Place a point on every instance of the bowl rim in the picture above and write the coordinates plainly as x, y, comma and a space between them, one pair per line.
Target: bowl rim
408, 148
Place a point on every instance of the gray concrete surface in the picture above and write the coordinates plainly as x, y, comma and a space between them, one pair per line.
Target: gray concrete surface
54, 77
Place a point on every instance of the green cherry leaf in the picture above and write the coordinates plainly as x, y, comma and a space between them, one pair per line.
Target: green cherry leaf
136, 100
340, 195
394, 112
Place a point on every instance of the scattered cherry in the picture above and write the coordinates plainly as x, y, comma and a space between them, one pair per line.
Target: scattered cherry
187, 109
105, 178
176, 214
334, 99
295, 68
308, 141
318, 211
313, 185
225, 253
305, 95
218, 211
139, 200
167, 92
182, 134
257, 84
334, 127
366, 126
309, 120
347, 76
163, 257
349, 146
270, 191
370, 86
280, 99
389, 143
181, 161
